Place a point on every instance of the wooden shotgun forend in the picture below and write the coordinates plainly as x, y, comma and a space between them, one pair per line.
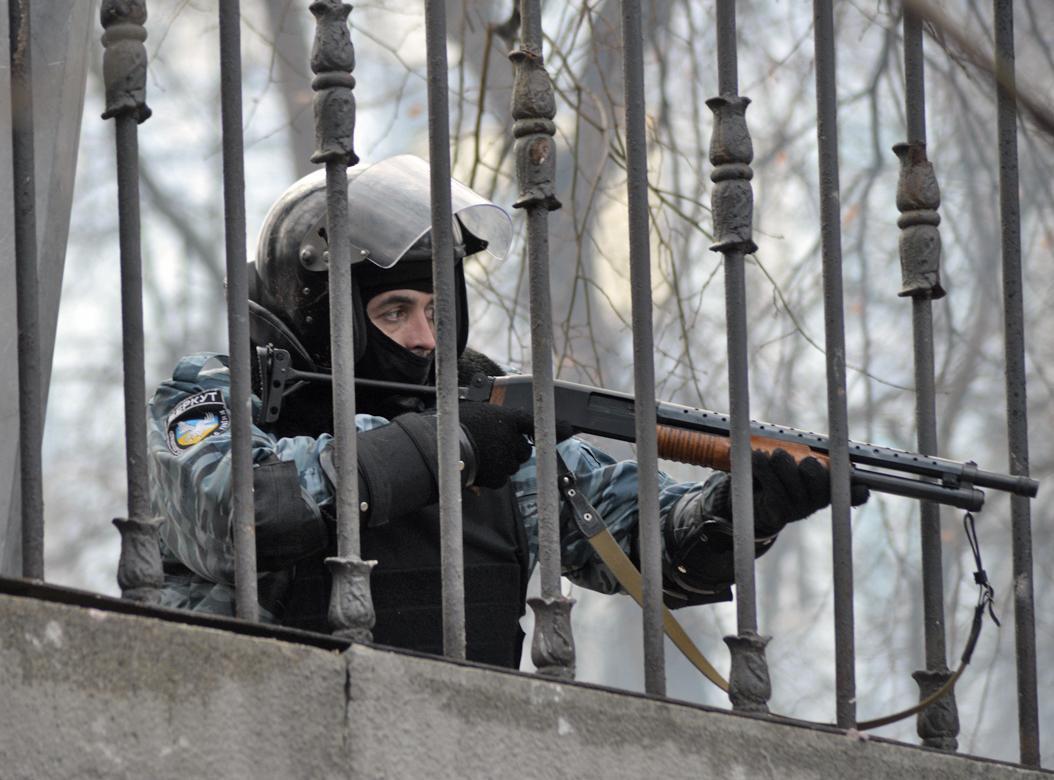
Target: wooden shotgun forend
705, 449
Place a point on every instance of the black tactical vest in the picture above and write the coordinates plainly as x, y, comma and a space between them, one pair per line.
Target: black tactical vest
406, 582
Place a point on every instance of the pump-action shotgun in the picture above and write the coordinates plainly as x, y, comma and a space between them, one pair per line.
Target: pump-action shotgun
696, 436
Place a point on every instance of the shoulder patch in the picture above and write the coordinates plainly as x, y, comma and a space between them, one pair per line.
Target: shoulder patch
195, 418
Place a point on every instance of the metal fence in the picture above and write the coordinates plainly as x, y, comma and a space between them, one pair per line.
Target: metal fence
533, 127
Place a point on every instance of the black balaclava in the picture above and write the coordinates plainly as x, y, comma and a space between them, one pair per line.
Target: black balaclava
385, 358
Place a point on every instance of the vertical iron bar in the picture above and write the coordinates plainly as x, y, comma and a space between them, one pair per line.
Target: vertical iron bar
242, 515
351, 613
834, 342
918, 197
30, 382
1016, 399
533, 109
139, 569
732, 200
452, 555
914, 78
643, 347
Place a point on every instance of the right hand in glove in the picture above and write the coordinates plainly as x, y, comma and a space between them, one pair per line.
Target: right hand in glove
398, 462
499, 441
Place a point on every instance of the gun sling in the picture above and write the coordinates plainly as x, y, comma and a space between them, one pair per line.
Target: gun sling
591, 524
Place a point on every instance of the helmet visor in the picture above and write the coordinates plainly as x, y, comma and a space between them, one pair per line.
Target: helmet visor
389, 209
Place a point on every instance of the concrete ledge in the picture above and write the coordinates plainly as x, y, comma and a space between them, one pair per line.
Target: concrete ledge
471, 721
87, 693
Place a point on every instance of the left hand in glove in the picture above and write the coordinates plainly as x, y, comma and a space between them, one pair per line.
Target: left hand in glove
786, 490
698, 530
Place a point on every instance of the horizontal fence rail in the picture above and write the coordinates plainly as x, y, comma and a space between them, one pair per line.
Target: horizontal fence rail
533, 143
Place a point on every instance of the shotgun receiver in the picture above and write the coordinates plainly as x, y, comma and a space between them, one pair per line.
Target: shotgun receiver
702, 438
687, 434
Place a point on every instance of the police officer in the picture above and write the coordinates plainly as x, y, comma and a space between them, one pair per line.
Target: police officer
395, 341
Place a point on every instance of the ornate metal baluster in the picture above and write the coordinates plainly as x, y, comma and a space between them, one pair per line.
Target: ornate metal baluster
30, 373
451, 548
1016, 399
124, 70
242, 509
351, 612
834, 347
643, 346
918, 198
732, 201
533, 109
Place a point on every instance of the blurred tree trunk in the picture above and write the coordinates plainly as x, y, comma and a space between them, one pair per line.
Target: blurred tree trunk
292, 27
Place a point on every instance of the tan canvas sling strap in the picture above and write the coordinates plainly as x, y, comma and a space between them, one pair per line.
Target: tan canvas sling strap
591, 524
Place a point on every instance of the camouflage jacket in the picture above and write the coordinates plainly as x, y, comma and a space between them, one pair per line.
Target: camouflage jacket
190, 469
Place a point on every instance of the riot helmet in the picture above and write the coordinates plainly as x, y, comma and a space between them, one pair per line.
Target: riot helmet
389, 213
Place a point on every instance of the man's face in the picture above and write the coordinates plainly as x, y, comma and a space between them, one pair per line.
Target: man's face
407, 317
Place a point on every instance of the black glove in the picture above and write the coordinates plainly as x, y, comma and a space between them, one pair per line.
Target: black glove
497, 437
499, 440
697, 533
397, 462
786, 490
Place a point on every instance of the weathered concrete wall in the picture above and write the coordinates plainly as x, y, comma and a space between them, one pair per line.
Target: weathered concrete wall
84, 693
88, 694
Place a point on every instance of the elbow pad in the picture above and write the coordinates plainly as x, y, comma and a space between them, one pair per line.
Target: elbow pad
397, 465
697, 562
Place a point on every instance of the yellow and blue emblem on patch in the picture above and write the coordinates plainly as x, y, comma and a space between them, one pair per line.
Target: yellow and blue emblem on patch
195, 418
190, 432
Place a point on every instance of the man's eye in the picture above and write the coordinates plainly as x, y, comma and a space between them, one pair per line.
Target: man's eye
392, 315
430, 312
